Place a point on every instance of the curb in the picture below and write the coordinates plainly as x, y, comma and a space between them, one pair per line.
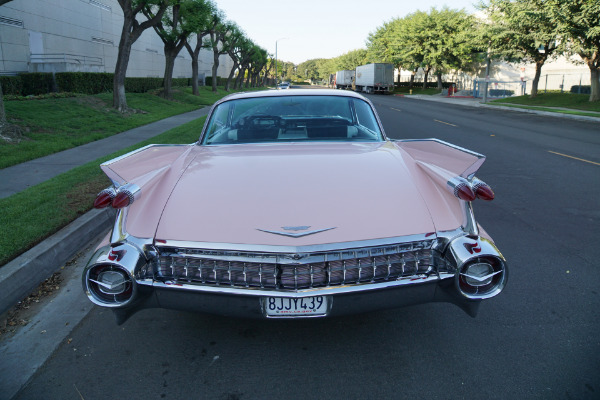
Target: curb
21, 276
472, 102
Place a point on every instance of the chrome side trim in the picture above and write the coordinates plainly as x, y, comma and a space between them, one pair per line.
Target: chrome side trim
471, 152
114, 160
471, 227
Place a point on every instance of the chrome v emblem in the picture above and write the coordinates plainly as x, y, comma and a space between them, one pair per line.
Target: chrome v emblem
295, 228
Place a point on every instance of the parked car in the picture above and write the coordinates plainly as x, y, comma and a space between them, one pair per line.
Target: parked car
294, 204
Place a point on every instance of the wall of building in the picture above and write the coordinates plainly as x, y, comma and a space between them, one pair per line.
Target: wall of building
558, 73
83, 35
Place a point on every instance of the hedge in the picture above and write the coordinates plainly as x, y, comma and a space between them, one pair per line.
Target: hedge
84, 82
501, 92
27, 84
11, 85
416, 84
220, 81
583, 89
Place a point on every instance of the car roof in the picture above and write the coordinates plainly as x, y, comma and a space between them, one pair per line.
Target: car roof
295, 92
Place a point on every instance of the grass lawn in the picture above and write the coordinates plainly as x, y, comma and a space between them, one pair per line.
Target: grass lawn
38, 212
561, 100
417, 90
53, 125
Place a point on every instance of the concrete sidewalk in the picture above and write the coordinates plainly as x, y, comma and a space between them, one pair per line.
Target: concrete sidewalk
21, 176
476, 102
22, 275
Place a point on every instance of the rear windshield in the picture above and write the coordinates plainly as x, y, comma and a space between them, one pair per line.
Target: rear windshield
292, 118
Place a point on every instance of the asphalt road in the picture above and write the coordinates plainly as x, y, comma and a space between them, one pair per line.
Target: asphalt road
537, 340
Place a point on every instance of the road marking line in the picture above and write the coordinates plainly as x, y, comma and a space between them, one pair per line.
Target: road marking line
395, 109
447, 123
575, 158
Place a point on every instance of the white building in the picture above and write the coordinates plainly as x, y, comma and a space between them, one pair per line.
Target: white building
83, 35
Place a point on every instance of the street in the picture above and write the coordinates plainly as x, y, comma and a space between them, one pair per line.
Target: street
536, 340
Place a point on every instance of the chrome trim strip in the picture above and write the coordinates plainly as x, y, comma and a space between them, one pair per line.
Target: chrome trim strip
114, 160
316, 248
471, 152
471, 227
324, 291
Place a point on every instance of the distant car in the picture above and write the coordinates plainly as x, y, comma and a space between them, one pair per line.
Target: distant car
294, 204
283, 85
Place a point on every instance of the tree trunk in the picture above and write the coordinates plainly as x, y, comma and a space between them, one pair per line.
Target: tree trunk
131, 31
2, 112
215, 67
440, 85
413, 73
170, 56
195, 90
594, 76
230, 77
240, 79
536, 79
427, 69
119, 99
195, 53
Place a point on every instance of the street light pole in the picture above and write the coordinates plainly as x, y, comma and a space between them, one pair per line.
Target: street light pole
276, 77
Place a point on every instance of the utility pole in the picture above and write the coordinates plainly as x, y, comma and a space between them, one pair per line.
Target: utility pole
487, 76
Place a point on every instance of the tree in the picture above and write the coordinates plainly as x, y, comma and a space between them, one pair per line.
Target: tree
219, 41
8, 131
179, 22
131, 31
174, 34
203, 14
451, 42
239, 45
522, 30
578, 23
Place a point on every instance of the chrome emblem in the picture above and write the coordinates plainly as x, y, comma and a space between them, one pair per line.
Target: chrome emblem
295, 228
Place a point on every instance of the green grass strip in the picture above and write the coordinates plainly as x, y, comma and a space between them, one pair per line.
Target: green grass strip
56, 124
559, 100
32, 215
553, 110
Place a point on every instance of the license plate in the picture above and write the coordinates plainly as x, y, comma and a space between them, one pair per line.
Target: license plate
295, 306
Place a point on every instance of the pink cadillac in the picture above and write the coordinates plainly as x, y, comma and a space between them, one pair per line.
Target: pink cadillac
294, 204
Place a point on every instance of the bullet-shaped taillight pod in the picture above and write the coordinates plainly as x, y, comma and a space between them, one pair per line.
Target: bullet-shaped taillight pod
482, 190
121, 200
126, 195
460, 188
104, 198
464, 192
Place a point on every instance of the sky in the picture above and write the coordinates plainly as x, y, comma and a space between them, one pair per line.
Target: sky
307, 29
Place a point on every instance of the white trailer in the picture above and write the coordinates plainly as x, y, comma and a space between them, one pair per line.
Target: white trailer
344, 79
374, 78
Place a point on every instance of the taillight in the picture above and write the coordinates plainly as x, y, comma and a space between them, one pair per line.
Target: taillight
126, 195
482, 190
122, 199
104, 198
460, 188
464, 192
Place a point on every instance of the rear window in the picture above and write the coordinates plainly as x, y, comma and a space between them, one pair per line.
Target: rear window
292, 118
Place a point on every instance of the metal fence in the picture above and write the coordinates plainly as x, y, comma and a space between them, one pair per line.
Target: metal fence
563, 82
